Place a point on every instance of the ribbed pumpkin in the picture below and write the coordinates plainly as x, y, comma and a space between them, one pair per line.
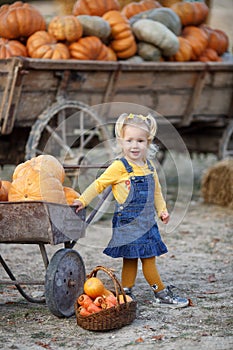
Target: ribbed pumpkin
209, 55
70, 195
20, 20
94, 7
89, 48
44, 45
217, 39
136, 7
44, 163
191, 13
65, 28
4, 190
198, 40
184, 53
95, 26
168, 3
34, 186
11, 48
38, 179
123, 41
111, 54
157, 34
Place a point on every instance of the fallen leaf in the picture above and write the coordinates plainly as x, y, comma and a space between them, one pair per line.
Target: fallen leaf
43, 345
158, 337
139, 340
190, 302
212, 278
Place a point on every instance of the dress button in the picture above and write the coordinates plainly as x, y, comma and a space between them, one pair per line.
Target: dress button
121, 207
133, 178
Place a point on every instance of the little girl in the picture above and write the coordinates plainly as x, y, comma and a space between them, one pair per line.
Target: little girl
136, 188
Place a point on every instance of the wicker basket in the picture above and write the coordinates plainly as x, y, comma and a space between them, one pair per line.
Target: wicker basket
112, 318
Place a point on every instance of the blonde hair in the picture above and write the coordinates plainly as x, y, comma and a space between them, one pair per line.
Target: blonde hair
147, 123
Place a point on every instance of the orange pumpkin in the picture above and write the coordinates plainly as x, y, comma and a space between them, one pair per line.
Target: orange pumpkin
123, 41
111, 54
209, 55
35, 186
191, 13
39, 178
70, 195
94, 288
184, 53
44, 45
44, 163
134, 8
20, 20
89, 48
65, 28
11, 48
198, 40
217, 39
94, 8
4, 190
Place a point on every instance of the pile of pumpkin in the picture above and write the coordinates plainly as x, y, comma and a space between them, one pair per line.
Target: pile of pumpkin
38, 179
102, 30
97, 298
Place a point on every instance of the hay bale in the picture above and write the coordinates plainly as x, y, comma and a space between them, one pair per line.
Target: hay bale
217, 184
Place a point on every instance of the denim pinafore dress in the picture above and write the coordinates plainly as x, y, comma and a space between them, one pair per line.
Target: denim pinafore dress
135, 231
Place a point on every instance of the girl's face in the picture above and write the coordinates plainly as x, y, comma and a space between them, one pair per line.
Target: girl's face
134, 143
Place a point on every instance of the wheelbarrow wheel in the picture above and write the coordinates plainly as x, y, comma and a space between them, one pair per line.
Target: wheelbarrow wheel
64, 280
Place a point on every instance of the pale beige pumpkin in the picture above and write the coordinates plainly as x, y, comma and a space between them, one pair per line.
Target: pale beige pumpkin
65, 28
44, 163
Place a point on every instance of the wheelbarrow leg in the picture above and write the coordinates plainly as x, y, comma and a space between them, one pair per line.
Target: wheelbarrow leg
21, 291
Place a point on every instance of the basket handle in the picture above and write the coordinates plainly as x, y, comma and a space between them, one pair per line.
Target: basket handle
116, 283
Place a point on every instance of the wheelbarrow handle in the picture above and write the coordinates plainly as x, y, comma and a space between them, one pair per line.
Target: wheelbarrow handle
98, 205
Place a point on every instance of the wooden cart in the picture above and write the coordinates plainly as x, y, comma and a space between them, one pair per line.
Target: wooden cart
65, 107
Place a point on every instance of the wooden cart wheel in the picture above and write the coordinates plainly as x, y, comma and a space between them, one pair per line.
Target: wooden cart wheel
64, 281
226, 142
73, 133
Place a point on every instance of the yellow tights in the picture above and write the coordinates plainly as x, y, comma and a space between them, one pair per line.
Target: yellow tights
149, 269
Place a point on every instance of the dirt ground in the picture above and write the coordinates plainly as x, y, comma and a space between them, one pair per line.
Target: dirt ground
199, 264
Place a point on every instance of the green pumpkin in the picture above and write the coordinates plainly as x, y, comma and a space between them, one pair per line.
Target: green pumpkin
149, 52
95, 26
163, 15
157, 34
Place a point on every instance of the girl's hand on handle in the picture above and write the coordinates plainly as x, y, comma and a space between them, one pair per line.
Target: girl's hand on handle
79, 205
165, 217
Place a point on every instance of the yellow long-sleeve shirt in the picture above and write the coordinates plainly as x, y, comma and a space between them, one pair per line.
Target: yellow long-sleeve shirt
117, 176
